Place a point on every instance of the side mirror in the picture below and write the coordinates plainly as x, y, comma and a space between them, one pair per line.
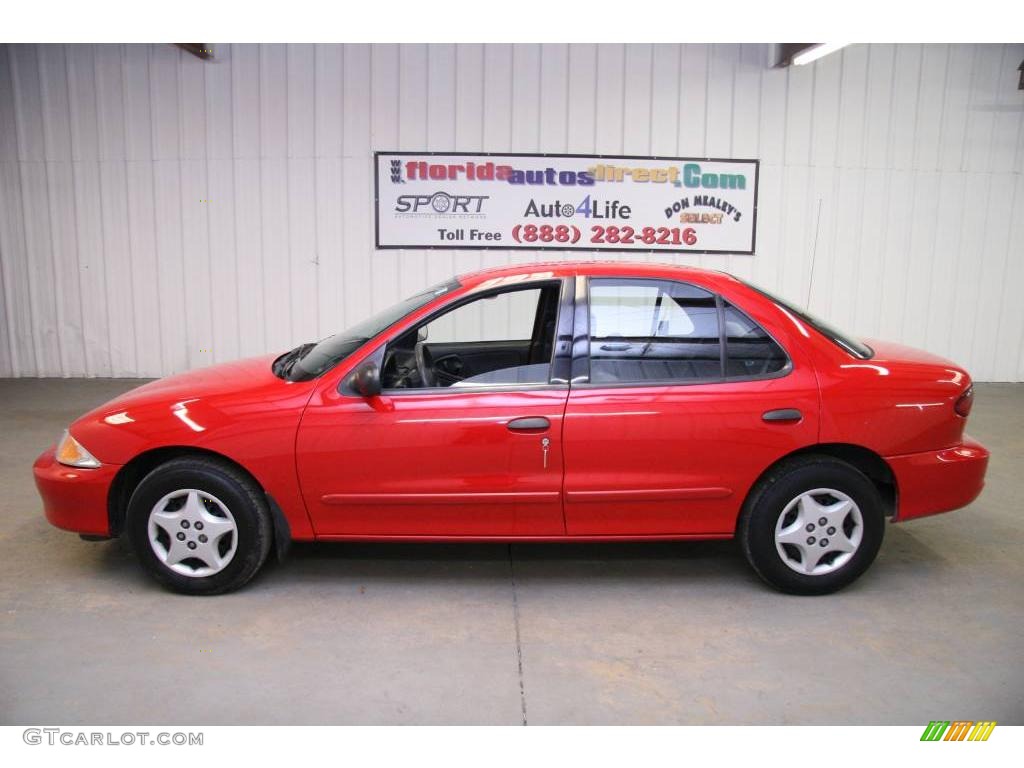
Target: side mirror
366, 379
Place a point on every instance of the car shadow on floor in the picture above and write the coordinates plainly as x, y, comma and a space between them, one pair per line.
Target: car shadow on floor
680, 561
306, 561
562, 563
500, 551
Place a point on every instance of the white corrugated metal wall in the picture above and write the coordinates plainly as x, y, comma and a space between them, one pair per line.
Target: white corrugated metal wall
159, 213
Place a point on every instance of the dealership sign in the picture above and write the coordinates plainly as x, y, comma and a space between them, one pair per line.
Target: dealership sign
565, 202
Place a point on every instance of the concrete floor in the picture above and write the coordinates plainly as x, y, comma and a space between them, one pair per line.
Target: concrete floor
654, 633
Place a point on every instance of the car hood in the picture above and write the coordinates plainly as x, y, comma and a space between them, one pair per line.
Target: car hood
234, 377
213, 408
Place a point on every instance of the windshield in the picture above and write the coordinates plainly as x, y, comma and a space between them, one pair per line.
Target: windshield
849, 343
307, 361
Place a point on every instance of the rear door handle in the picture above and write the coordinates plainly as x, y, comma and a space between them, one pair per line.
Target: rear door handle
529, 424
782, 414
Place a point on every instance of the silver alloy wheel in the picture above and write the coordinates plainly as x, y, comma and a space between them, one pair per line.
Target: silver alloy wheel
819, 531
192, 532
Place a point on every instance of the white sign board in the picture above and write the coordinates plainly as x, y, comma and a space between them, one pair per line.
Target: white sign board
565, 202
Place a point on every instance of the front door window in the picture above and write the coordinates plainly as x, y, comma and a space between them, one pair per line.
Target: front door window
500, 339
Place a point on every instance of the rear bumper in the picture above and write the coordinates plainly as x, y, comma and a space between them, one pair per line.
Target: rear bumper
74, 499
939, 481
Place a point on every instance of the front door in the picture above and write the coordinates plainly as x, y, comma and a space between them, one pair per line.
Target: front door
465, 439
669, 429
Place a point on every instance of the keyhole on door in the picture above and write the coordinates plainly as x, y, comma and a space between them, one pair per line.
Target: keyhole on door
544, 447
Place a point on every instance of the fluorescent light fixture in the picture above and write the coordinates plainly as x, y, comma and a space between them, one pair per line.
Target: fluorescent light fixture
815, 52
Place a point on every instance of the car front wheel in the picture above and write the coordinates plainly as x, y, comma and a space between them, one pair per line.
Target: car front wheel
812, 526
200, 526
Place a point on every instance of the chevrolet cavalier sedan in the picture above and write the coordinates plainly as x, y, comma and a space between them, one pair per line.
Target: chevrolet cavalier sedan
553, 402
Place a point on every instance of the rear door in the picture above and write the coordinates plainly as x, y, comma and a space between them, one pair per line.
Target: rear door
679, 401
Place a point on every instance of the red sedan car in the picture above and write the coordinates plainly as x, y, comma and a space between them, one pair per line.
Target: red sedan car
555, 402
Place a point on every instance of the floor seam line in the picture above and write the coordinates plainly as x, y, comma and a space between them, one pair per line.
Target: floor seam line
519, 644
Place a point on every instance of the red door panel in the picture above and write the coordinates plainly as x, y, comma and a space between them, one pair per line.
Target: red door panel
432, 464
676, 460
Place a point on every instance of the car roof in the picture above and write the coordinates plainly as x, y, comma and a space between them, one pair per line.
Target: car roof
607, 268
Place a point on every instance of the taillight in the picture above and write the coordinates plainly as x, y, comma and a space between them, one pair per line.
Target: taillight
964, 402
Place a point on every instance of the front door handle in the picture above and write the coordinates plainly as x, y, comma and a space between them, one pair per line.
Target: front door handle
529, 424
782, 414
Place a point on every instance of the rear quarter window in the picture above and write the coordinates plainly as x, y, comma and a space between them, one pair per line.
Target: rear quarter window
749, 350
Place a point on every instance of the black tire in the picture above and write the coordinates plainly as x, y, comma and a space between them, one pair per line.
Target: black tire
773, 494
236, 490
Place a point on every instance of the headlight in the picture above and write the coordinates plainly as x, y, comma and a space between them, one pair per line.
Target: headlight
73, 454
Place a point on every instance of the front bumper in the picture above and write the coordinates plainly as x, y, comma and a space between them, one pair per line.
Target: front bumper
74, 499
939, 481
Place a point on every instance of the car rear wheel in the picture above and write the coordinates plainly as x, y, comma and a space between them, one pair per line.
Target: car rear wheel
200, 526
812, 526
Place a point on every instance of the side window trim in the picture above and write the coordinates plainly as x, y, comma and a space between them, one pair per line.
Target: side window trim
723, 338
561, 357
582, 338
581, 333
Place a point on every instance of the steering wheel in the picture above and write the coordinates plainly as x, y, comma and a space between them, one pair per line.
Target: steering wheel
425, 364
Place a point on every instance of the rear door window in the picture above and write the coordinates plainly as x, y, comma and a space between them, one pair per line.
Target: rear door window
648, 330
652, 330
